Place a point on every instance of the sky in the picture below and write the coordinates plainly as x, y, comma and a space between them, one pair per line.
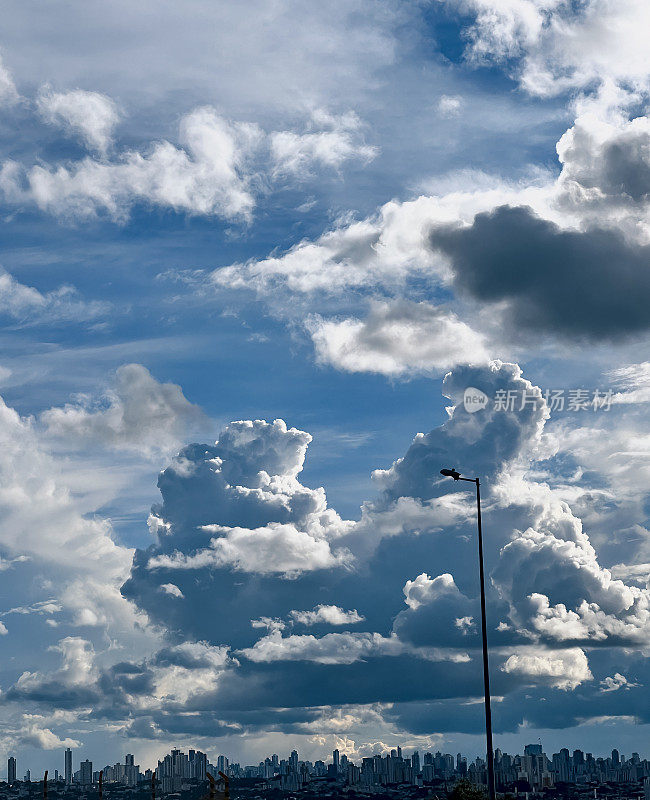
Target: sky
252, 260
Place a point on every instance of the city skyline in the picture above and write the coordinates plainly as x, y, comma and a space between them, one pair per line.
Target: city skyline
201, 765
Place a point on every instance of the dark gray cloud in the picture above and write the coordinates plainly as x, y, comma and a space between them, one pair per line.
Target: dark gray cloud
589, 284
626, 167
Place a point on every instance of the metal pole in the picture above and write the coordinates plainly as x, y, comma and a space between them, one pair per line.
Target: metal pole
45, 786
486, 670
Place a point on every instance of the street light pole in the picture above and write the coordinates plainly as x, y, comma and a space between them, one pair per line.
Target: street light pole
452, 473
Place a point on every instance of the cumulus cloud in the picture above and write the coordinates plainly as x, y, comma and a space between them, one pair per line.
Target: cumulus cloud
381, 250
67, 569
615, 682
39, 517
32, 735
564, 669
397, 338
386, 250
207, 175
275, 548
237, 509
435, 600
547, 589
218, 168
137, 413
338, 140
424, 589
333, 648
552, 45
90, 115
328, 615
76, 678
556, 588
605, 157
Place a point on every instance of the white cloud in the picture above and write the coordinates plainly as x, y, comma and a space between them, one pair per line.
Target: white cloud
426, 590
269, 623
26, 304
563, 669
465, 624
614, 683
90, 115
70, 556
383, 250
328, 615
333, 648
561, 47
396, 338
77, 669
450, 105
219, 168
172, 590
253, 470
618, 450
209, 175
276, 548
44, 739
634, 380
188, 670
297, 153
138, 413
8, 91
39, 518
581, 601
3, 629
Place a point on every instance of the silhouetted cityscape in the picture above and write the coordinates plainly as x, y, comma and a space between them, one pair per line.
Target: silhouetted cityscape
394, 774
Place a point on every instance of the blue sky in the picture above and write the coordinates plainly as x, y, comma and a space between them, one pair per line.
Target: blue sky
315, 214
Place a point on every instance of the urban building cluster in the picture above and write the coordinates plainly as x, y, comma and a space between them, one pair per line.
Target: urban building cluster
563, 774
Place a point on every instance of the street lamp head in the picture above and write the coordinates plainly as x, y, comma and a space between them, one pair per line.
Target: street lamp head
450, 473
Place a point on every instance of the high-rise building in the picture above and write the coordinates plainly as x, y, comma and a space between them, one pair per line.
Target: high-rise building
415, 762
293, 761
336, 760
223, 764
129, 760
68, 767
86, 772
11, 770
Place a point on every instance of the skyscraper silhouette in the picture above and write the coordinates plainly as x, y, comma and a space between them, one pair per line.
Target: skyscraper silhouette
68, 767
